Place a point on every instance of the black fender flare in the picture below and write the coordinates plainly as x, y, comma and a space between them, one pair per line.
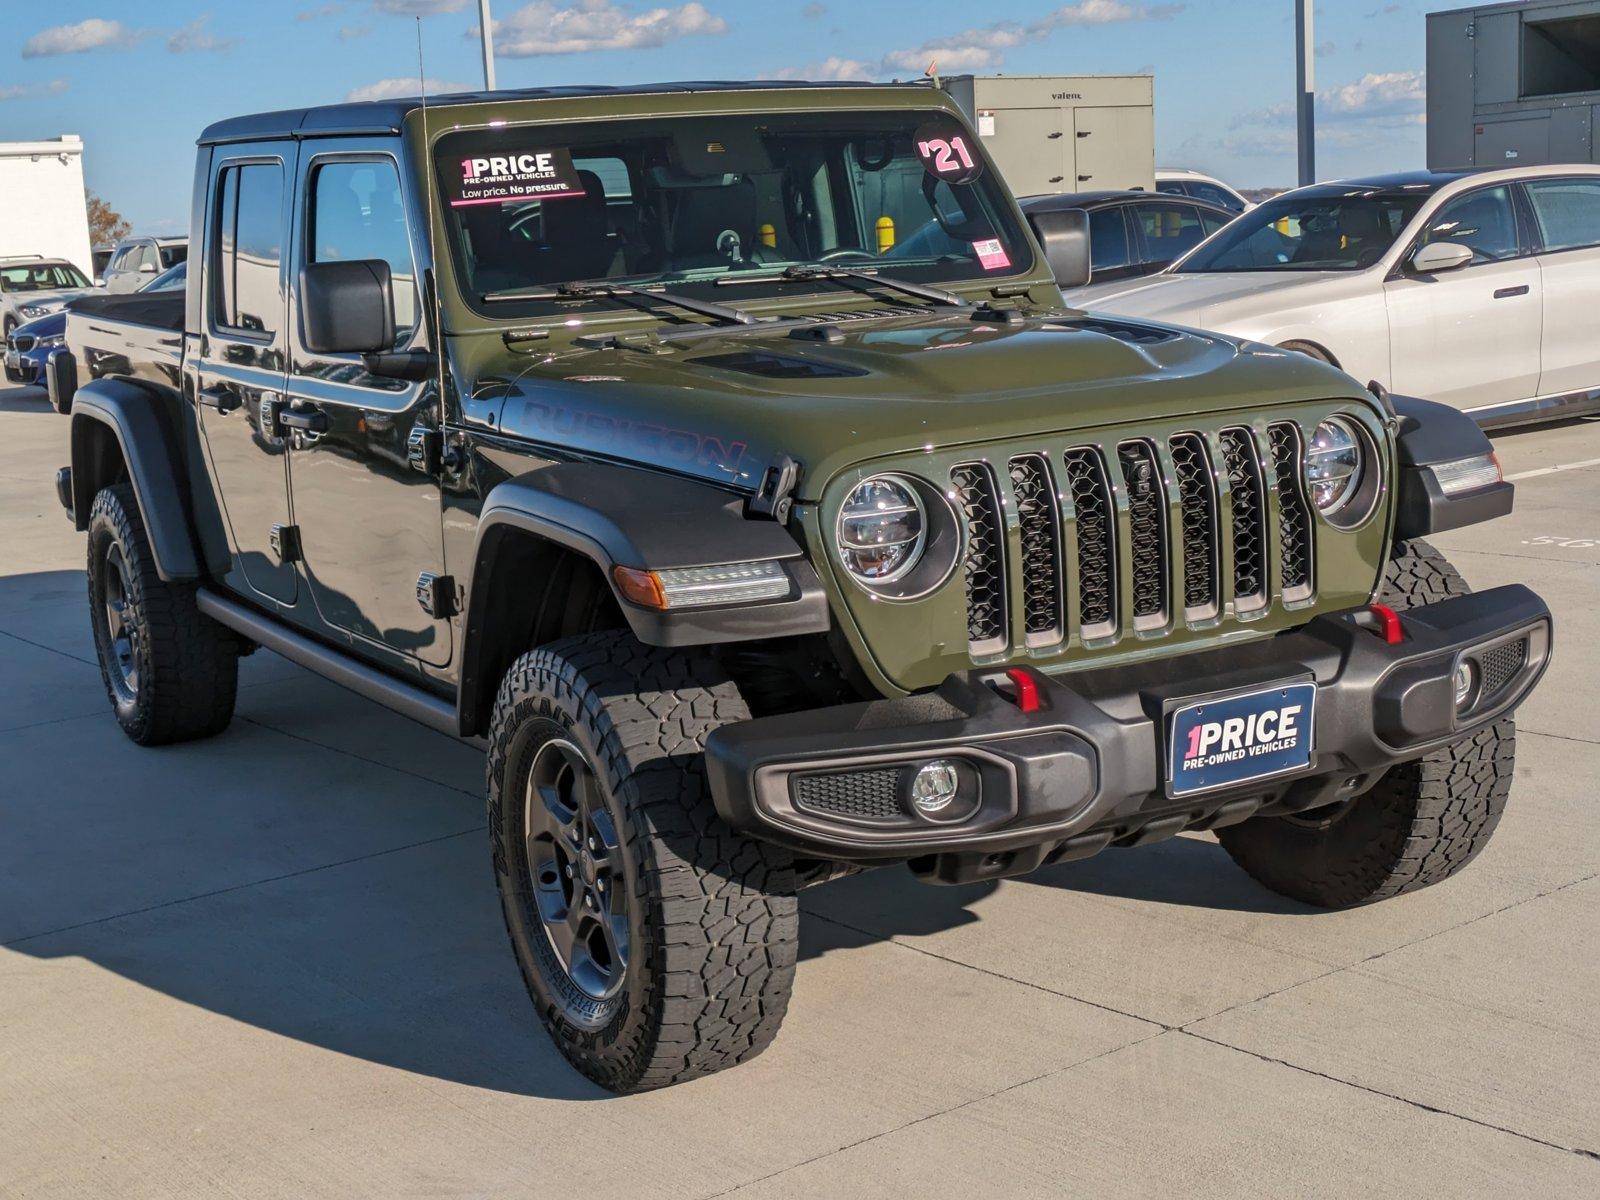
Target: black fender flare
1426, 434
137, 419
632, 517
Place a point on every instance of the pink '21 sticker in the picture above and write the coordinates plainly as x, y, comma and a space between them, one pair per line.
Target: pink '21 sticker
991, 254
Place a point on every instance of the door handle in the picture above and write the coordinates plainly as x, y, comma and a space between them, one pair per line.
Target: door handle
223, 399
1507, 292
306, 420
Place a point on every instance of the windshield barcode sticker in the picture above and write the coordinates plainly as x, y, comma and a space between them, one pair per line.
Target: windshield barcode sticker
526, 175
991, 254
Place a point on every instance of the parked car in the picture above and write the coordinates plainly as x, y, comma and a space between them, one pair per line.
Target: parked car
100, 256
755, 556
136, 260
32, 287
1476, 289
1132, 234
32, 344
1177, 181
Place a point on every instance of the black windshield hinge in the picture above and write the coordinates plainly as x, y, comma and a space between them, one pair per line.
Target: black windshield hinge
775, 497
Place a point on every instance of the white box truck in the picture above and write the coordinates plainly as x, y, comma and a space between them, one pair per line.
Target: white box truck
42, 205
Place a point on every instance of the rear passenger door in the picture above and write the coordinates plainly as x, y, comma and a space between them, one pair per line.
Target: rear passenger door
1566, 216
365, 500
242, 359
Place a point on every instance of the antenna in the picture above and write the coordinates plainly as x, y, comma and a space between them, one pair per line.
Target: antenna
430, 288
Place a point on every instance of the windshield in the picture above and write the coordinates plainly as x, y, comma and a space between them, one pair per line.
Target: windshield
41, 277
169, 280
1316, 232
686, 203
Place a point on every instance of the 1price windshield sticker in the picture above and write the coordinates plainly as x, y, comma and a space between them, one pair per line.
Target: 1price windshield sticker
522, 175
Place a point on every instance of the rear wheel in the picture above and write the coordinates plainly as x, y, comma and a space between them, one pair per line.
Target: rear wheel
1418, 825
657, 944
170, 671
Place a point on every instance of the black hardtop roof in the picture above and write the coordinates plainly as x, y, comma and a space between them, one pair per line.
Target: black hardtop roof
386, 116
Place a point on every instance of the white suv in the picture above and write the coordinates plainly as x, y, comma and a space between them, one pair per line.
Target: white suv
1480, 290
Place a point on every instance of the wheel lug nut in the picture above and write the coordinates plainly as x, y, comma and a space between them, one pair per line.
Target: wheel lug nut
569, 870
593, 844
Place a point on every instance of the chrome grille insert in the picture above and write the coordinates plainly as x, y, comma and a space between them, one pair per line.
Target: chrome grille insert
1147, 529
1039, 523
1248, 519
1090, 494
983, 563
1197, 492
1294, 512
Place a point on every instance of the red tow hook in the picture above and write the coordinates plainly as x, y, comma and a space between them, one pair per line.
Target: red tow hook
1027, 698
1388, 623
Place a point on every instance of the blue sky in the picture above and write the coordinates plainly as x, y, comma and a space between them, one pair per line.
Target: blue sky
139, 80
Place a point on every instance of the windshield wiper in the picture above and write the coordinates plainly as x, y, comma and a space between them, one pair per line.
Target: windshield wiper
620, 291
801, 273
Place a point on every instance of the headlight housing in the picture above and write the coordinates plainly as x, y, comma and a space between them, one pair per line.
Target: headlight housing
57, 339
35, 310
882, 529
1336, 464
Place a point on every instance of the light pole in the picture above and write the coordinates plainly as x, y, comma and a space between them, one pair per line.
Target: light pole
488, 45
1306, 96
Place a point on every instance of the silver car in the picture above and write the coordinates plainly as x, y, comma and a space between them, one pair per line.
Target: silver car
138, 260
1476, 289
34, 287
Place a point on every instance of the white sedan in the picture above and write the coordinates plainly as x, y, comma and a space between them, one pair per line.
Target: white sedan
1476, 289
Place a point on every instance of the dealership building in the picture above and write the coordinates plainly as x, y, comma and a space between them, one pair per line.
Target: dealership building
1514, 84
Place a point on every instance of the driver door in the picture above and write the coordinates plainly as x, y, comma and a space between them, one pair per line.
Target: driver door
1469, 337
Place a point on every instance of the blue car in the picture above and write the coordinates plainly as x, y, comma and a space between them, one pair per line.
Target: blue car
31, 345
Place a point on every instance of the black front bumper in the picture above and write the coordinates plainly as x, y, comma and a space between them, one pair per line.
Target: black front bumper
1088, 770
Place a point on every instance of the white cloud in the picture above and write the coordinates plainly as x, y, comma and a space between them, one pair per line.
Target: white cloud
93, 34
831, 68
193, 36
406, 86
351, 33
1396, 93
578, 26
813, 11
315, 14
984, 48
20, 91
418, 8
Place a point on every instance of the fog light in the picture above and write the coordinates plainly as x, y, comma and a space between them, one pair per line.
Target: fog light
934, 787
1466, 683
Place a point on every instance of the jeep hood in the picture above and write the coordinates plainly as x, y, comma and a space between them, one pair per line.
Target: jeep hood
722, 406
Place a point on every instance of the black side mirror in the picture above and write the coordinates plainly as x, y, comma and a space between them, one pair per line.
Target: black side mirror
346, 307
1064, 237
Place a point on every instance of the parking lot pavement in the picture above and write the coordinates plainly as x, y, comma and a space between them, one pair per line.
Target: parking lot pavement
272, 964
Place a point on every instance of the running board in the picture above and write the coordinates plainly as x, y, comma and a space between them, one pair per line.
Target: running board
1541, 408
404, 698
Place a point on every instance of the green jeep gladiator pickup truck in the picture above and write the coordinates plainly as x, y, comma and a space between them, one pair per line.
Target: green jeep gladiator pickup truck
722, 459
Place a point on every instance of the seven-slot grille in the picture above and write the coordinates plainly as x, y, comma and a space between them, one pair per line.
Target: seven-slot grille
1134, 535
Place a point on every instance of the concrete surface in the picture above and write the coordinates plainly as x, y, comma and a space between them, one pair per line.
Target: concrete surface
272, 964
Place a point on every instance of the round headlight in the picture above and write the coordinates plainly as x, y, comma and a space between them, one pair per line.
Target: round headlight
1334, 465
882, 529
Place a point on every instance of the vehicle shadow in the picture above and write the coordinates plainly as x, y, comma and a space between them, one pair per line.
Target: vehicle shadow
243, 876
24, 400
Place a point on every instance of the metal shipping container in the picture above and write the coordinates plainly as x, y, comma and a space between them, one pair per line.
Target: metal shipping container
1064, 133
1513, 84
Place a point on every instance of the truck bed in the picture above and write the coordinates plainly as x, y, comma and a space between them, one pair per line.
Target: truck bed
137, 336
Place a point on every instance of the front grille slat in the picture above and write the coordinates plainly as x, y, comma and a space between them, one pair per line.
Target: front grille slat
1198, 497
983, 563
1294, 513
1040, 527
1090, 490
1147, 530
1248, 522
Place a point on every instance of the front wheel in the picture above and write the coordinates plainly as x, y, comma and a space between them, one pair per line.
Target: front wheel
1418, 825
656, 943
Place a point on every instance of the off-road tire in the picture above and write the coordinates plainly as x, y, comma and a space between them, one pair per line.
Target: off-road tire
713, 914
187, 665
1418, 825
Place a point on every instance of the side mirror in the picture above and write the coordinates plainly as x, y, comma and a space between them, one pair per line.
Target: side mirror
147, 268
1064, 237
346, 307
1440, 256
99, 281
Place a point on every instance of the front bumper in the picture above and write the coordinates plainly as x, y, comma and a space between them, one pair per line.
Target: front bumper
23, 367
1087, 769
